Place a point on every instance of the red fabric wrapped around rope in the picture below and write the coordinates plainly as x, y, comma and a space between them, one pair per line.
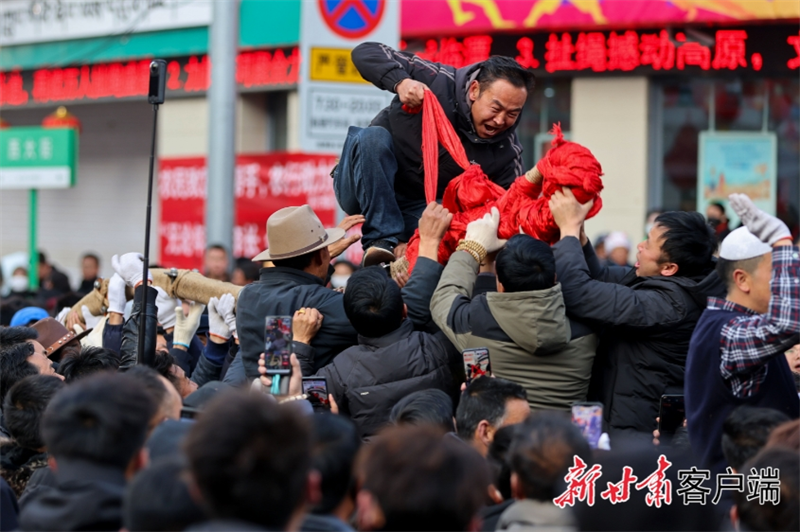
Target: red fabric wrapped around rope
523, 207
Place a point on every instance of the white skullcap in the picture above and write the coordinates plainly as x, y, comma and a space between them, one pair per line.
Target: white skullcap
617, 239
741, 244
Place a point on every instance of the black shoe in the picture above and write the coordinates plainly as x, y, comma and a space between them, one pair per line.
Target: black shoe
380, 252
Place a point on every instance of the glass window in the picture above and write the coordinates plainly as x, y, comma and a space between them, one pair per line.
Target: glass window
549, 104
738, 105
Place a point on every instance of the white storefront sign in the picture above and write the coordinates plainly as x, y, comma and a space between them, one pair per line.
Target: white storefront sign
333, 97
30, 21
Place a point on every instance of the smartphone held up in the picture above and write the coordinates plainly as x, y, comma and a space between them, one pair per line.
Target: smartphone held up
278, 345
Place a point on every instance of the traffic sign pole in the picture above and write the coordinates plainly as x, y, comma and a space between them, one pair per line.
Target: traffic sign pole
33, 266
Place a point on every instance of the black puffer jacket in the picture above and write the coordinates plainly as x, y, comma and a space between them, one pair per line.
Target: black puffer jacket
500, 157
367, 380
645, 323
17, 464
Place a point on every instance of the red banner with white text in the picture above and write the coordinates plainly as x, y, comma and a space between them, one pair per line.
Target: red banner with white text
264, 184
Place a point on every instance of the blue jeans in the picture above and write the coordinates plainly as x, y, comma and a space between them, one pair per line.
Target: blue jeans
364, 184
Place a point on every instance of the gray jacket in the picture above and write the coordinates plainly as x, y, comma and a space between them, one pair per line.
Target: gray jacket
529, 337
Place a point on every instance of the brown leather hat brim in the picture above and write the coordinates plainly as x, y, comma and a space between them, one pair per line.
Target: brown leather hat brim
51, 350
334, 235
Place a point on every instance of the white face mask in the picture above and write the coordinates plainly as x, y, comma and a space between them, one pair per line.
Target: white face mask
339, 281
18, 283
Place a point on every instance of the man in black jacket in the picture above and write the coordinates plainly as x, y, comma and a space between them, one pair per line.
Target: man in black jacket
645, 315
390, 361
380, 172
301, 250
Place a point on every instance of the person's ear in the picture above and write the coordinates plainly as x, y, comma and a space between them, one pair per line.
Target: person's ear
313, 488
474, 90
369, 515
138, 462
742, 280
500, 288
475, 524
734, 515
194, 490
405, 311
485, 432
51, 463
669, 269
516, 488
494, 494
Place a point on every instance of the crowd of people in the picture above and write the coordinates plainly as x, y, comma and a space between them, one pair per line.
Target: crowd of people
193, 420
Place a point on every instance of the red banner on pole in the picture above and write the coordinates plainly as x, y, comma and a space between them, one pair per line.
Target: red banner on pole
264, 184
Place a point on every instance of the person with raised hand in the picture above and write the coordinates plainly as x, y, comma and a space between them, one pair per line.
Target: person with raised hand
736, 355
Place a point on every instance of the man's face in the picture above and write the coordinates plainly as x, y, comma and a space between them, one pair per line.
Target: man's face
187, 386
89, 267
758, 281
497, 108
648, 255
216, 262
40, 360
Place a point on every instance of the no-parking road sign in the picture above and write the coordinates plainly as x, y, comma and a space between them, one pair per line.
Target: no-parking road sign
352, 19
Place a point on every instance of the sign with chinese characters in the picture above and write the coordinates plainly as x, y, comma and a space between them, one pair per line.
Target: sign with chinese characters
333, 96
763, 50
24, 21
737, 162
763, 485
464, 17
38, 157
263, 184
254, 70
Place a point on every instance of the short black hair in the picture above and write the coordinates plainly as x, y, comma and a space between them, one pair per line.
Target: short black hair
24, 406
431, 406
249, 268
103, 419
301, 262
92, 256
526, 264
689, 242
497, 458
502, 67
162, 363
147, 379
725, 268
219, 247
335, 443
784, 515
485, 398
422, 480
373, 303
87, 361
158, 499
250, 458
14, 365
10, 336
746, 430
542, 450
42, 257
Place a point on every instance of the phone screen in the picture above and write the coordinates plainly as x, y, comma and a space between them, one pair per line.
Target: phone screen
278, 345
476, 363
316, 388
589, 418
671, 414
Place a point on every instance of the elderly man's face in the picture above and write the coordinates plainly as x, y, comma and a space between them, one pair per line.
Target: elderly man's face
40, 360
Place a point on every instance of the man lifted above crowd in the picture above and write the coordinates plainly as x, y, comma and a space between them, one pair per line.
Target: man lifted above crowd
380, 171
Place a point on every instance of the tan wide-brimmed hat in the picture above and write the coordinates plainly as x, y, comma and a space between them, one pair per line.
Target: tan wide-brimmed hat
295, 231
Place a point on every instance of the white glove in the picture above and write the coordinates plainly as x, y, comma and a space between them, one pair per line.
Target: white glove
61, 317
484, 231
90, 319
186, 326
116, 294
129, 267
166, 308
766, 227
221, 320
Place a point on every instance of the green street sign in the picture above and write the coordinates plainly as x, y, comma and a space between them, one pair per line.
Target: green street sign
38, 157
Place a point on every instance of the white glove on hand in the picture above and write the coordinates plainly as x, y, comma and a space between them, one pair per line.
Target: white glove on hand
221, 320
61, 317
129, 267
484, 231
90, 319
766, 227
186, 325
166, 308
116, 294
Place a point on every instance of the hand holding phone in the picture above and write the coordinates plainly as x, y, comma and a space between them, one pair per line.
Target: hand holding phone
671, 414
476, 363
589, 418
